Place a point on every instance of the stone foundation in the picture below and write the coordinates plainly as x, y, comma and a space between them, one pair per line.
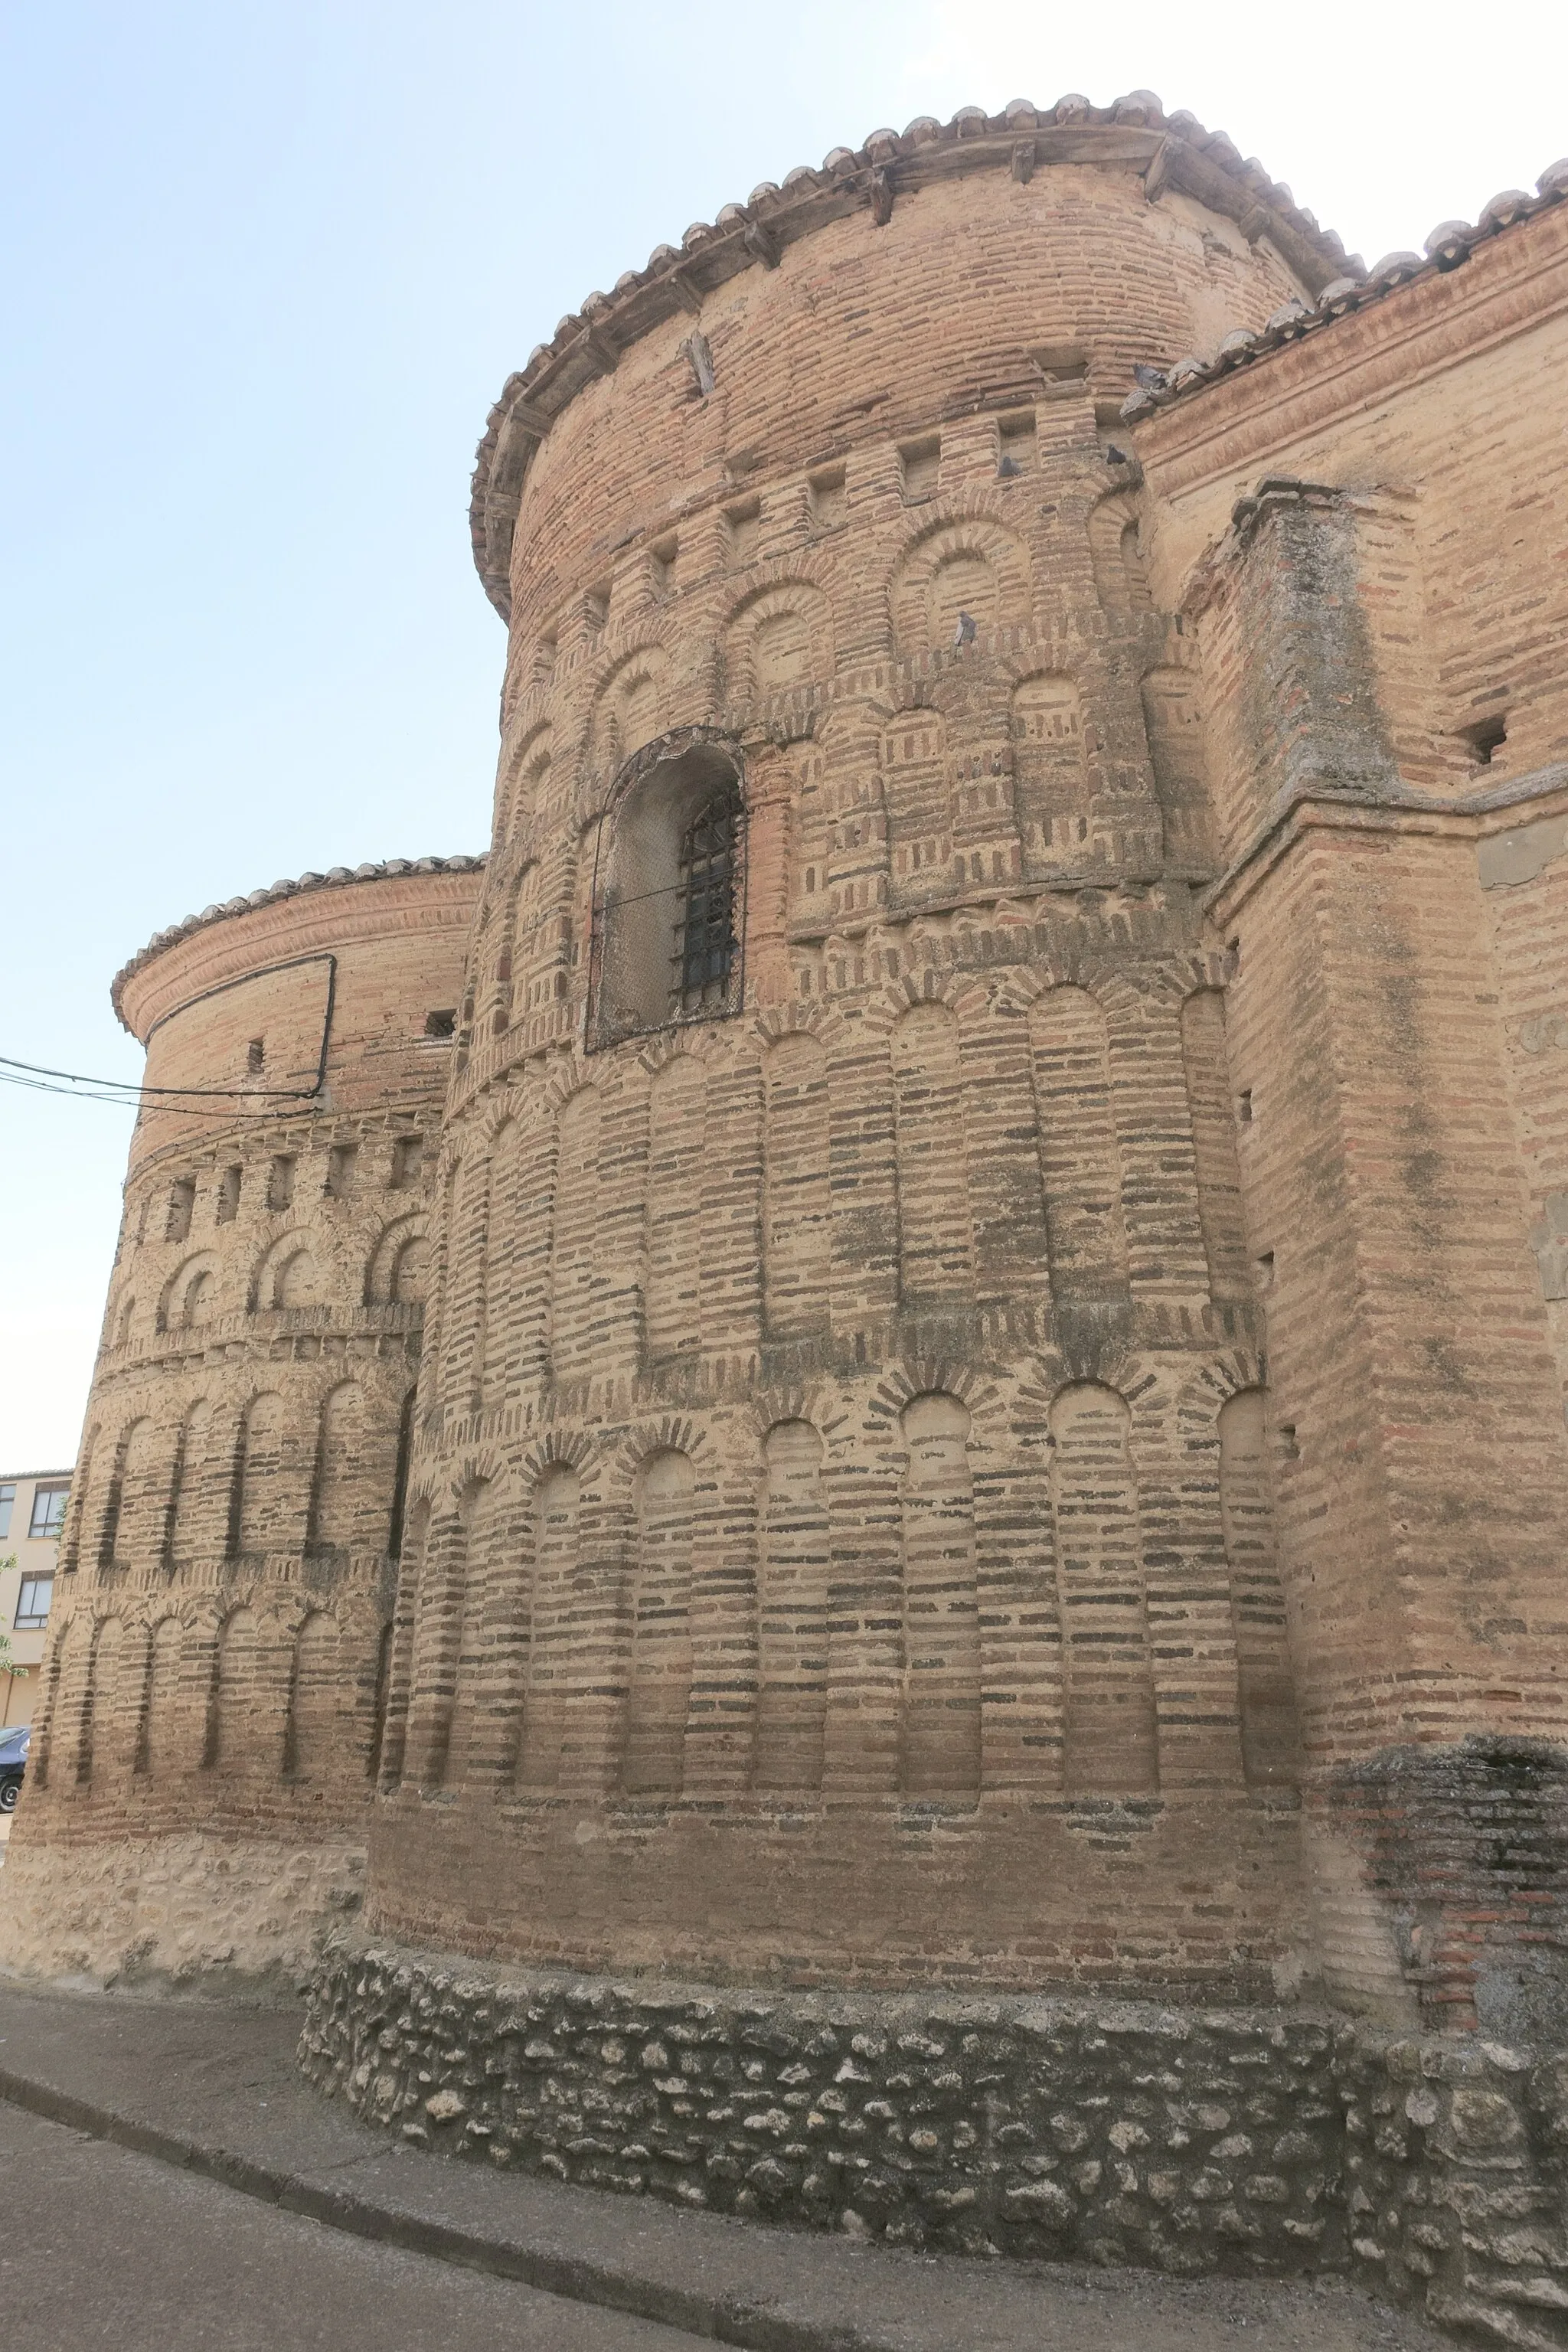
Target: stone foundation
201, 1907
1255, 2142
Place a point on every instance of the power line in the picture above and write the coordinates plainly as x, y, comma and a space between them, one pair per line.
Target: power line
137, 1090
86, 1090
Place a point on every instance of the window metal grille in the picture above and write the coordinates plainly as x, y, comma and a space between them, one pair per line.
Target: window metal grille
705, 925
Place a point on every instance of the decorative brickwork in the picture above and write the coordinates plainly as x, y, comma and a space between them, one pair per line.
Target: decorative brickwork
991, 1405
214, 1696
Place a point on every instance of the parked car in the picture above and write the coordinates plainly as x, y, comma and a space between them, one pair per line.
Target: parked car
14, 1747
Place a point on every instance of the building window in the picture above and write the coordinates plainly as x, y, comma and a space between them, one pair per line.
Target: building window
7, 1499
669, 905
48, 1512
33, 1603
281, 1181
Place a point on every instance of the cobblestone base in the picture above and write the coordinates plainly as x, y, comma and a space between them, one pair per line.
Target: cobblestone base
199, 1907
1253, 2142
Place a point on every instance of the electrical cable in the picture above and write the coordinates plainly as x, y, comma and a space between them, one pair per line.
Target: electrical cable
175, 1102
134, 1090
159, 1109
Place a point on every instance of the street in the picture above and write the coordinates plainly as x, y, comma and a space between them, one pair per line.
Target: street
99, 2246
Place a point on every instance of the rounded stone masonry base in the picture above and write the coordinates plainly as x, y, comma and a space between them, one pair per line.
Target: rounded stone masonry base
1247, 2141
202, 1907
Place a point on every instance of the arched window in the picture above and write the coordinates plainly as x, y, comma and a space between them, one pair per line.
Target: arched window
668, 912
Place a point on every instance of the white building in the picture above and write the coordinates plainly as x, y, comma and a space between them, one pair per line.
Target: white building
32, 1508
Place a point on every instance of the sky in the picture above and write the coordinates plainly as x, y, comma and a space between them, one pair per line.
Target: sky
265, 269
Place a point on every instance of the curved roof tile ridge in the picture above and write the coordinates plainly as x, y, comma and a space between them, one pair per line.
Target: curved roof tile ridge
588, 342
1451, 243
332, 879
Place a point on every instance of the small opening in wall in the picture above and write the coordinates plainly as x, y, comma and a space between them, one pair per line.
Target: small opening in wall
826, 495
255, 1056
661, 559
281, 1181
182, 1201
1015, 443
1244, 1107
441, 1024
596, 609
743, 523
341, 1171
921, 462
1266, 1271
1061, 363
1287, 1445
228, 1196
1485, 739
1064, 369
544, 661
407, 1150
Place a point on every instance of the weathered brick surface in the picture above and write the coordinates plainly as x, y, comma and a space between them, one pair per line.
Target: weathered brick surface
215, 1691
820, 1493
1387, 583
1025, 1446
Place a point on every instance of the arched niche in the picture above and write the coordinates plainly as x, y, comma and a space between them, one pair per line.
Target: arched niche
530, 776
628, 711
1115, 549
962, 573
940, 1746
399, 1265
190, 1294
1051, 791
187, 1478
780, 639
287, 1275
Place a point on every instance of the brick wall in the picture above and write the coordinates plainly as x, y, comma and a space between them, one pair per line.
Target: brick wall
842, 1539
219, 1636
1013, 1433
1385, 744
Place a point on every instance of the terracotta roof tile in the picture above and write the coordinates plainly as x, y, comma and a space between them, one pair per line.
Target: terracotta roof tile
710, 253
334, 878
1451, 243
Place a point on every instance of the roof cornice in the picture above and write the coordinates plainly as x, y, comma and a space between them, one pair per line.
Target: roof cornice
1133, 133
1450, 244
335, 879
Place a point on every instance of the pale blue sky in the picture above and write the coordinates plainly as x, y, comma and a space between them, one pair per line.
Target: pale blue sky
266, 266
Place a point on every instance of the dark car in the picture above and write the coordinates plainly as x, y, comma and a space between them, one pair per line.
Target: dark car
14, 1747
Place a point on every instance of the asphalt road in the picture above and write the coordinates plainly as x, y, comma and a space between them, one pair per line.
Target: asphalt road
100, 2247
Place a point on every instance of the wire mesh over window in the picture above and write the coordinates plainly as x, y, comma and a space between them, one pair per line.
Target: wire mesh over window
668, 914
705, 928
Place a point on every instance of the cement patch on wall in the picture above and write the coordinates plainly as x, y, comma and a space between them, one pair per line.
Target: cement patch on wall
124, 1909
1247, 2141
